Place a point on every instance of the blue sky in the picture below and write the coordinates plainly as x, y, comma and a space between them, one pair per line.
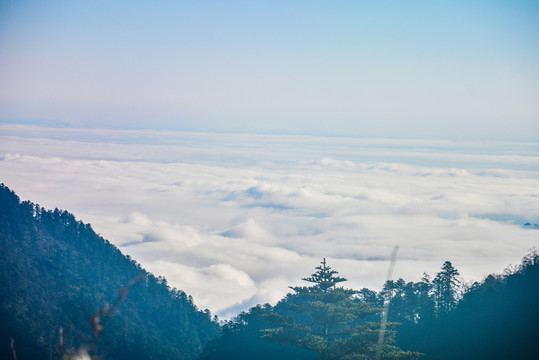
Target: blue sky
414, 69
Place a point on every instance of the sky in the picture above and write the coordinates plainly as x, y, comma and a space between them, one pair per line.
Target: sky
230, 146
400, 69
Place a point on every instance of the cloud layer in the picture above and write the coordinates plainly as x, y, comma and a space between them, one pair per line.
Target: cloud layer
235, 219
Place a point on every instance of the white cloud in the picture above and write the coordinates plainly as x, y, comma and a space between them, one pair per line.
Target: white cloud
137, 218
233, 286
235, 219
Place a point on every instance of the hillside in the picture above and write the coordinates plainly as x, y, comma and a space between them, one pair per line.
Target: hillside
492, 319
495, 319
61, 282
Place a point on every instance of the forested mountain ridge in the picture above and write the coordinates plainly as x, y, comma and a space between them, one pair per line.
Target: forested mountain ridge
57, 277
494, 319
438, 317
321, 321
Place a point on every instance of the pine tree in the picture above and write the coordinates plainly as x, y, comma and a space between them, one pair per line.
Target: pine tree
331, 321
323, 279
426, 304
446, 284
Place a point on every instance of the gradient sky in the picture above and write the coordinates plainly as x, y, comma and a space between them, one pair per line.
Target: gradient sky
414, 69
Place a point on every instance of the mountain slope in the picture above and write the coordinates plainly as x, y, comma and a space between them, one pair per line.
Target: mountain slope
495, 319
57, 275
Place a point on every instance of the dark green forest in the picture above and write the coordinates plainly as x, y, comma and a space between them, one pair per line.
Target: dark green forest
57, 273
438, 317
64, 288
321, 321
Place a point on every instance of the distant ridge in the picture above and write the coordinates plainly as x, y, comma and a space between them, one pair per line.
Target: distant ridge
57, 273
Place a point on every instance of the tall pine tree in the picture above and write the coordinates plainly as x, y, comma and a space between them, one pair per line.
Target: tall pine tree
446, 286
331, 321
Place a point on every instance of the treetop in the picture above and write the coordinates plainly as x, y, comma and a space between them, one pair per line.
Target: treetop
324, 278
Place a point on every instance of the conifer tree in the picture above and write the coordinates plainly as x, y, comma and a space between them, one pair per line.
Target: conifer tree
331, 321
426, 305
323, 279
446, 284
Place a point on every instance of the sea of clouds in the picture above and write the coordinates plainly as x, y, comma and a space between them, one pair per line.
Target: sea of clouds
235, 219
